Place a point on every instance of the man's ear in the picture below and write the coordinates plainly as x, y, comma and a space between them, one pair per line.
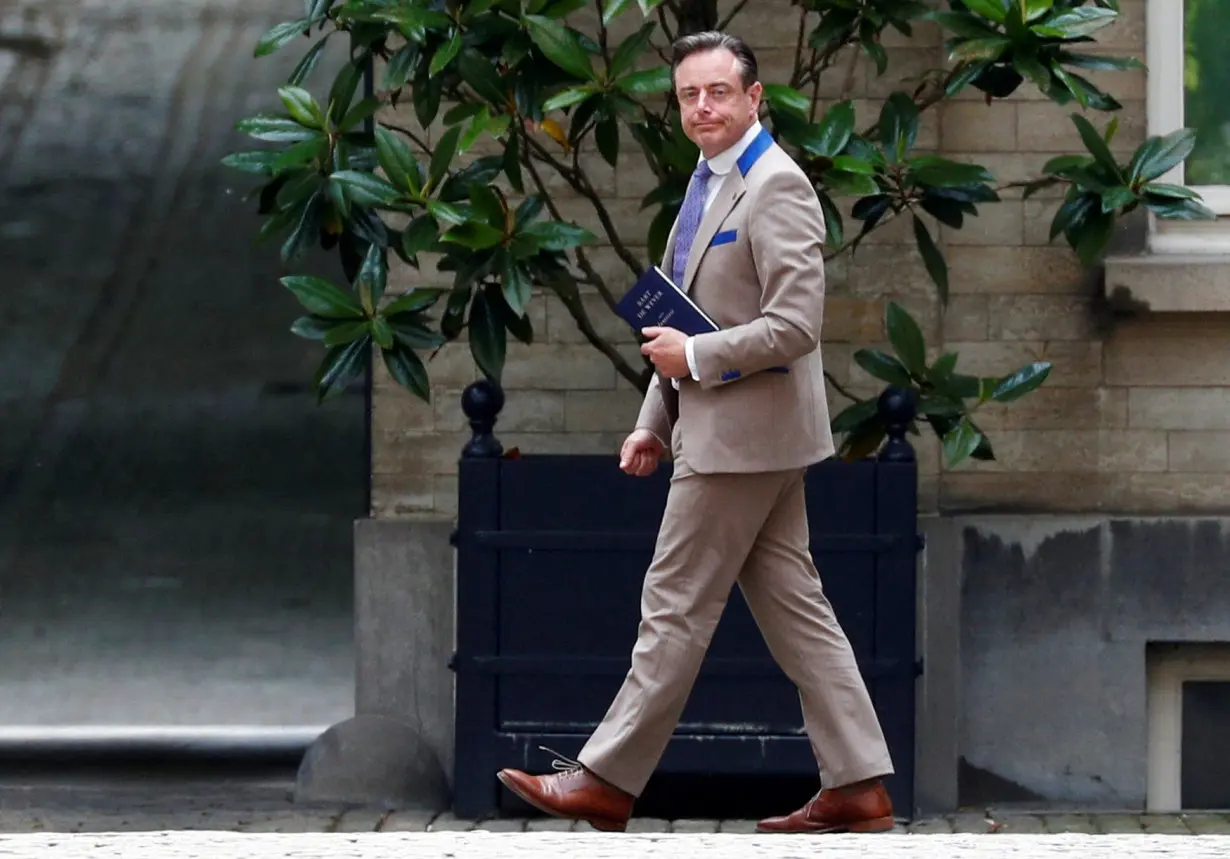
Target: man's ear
756, 90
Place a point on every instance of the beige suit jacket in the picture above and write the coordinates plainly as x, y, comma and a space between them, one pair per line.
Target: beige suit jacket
757, 268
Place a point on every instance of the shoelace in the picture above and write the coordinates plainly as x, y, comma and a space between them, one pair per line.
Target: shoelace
564, 764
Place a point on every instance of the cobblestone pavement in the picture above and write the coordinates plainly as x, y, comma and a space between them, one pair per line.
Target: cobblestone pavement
474, 845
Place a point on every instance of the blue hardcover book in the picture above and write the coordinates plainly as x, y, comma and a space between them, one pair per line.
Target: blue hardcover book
655, 300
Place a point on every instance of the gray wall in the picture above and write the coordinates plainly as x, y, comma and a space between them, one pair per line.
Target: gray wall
1056, 614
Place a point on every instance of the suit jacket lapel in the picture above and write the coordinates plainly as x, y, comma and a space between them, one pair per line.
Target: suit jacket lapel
732, 189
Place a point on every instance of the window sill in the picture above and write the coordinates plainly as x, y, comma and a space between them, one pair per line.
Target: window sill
1169, 282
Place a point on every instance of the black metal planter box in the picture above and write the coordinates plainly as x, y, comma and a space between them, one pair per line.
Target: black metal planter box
551, 553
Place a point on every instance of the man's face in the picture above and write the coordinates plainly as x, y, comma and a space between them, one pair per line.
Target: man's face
716, 108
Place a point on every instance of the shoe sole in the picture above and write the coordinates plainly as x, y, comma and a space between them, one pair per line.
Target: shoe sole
600, 823
876, 825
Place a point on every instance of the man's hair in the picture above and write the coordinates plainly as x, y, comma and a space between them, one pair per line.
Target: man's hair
712, 40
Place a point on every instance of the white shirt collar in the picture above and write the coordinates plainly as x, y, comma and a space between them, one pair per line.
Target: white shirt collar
724, 161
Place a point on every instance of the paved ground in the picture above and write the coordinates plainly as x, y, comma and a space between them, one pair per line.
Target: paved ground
489, 846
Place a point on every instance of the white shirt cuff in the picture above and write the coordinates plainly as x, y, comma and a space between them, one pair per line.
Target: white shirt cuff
690, 353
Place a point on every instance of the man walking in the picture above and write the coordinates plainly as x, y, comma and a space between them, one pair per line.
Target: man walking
743, 412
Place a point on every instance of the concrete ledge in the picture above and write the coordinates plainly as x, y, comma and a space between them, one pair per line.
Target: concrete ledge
1169, 283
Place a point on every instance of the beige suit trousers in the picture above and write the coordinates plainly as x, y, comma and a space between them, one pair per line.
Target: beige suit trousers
719, 529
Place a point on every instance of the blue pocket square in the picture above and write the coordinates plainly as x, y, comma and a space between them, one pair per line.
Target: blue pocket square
723, 238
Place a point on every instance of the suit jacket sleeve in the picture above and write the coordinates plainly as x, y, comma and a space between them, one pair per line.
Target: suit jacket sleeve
653, 415
786, 229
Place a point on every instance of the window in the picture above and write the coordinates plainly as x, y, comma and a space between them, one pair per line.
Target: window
1189, 77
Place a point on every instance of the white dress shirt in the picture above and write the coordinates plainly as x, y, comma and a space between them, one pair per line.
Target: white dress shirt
720, 164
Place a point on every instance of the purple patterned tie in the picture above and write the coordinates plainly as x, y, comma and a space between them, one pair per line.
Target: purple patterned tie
690, 214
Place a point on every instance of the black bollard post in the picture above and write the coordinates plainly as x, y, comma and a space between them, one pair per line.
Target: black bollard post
897, 408
482, 401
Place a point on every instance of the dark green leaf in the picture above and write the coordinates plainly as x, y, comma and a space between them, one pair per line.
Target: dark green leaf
834, 228
365, 188
1090, 237
1117, 197
516, 284
341, 366
960, 442
973, 50
963, 25
786, 98
883, 367
898, 126
303, 70
488, 206
853, 416
1096, 145
1158, 155
314, 327
646, 82
942, 368
560, 45
488, 338
398, 162
414, 301
942, 172
612, 8
361, 112
412, 331
932, 258
835, 129
630, 50
259, 161
445, 54
995, 10
569, 97
474, 235
1075, 22
397, 70
442, 157
279, 35
907, 339
322, 298
347, 332
373, 277
1073, 212
275, 129
849, 184
480, 74
302, 108
1023, 381
341, 94
606, 135
407, 370
557, 235
1182, 210
1163, 189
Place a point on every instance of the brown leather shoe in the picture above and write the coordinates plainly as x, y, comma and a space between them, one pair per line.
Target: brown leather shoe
575, 793
862, 807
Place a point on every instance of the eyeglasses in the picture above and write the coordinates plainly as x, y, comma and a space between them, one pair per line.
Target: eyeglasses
717, 94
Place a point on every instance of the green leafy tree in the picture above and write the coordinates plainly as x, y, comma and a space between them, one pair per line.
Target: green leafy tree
550, 88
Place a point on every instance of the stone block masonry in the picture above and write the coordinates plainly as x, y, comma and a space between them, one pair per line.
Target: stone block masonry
1138, 408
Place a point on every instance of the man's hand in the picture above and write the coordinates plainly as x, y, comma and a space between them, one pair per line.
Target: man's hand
640, 454
665, 349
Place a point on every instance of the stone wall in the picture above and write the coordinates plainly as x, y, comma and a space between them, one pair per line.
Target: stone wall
1134, 416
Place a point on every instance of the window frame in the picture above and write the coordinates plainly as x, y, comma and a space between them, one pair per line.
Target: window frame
1165, 49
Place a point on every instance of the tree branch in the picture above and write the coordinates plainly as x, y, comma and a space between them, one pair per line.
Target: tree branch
414, 138
837, 386
580, 183
725, 22
576, 308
